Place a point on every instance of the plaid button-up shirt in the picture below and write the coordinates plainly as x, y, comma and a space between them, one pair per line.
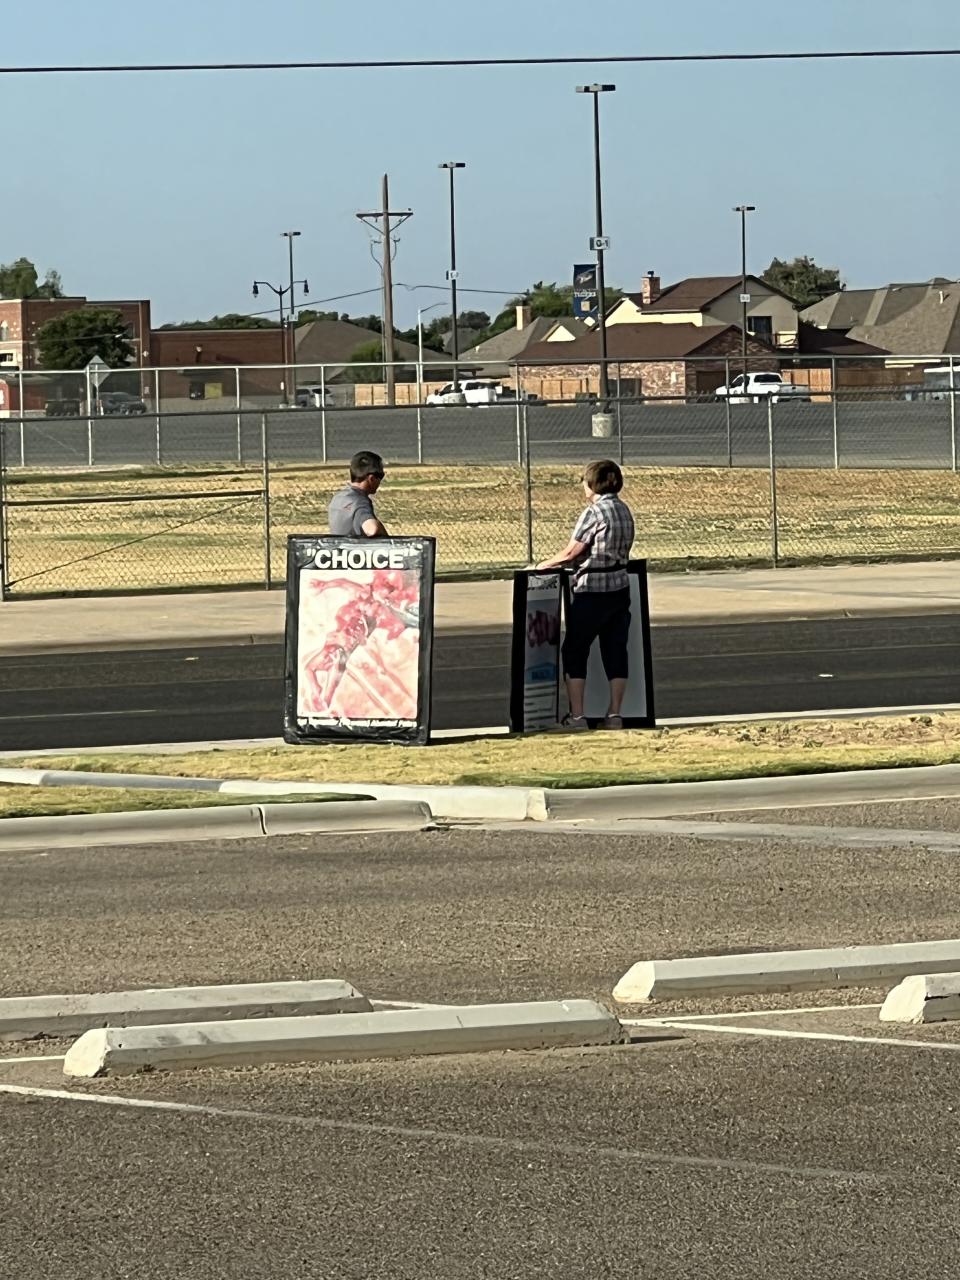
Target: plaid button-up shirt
606, 529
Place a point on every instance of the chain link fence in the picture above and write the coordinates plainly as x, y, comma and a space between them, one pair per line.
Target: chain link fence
177, 501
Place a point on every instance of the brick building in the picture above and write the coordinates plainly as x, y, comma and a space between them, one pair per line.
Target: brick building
203, 364
22, 318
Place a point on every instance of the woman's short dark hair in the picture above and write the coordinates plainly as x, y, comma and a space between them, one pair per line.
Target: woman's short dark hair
603, 477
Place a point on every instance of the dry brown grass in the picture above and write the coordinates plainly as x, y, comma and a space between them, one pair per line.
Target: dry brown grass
477, 514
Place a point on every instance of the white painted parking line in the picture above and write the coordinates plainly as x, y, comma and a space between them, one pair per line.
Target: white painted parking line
531, 1147
679, 1024
47, 1057
762, 1013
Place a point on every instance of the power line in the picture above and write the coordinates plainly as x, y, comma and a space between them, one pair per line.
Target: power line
420, 63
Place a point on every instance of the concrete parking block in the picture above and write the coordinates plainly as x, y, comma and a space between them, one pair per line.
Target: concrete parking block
783, 971
343, 1037
24, 1017
924, 997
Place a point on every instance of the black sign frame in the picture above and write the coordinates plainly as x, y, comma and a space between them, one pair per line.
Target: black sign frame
302, 552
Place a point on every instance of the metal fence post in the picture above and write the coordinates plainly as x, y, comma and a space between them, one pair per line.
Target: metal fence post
774, 518
519, 423
323, 413
239, 419
529, 484
265, 454
156, 405
4, 545
833, 405
23, 447
619, 418
953, 417
89, 439
727, 411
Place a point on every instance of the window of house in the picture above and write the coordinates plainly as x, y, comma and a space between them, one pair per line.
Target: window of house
760, 327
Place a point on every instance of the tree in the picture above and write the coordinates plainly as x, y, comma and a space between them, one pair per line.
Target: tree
802, 280
72, 340
543, 300
19, 280
232, 320
368, 356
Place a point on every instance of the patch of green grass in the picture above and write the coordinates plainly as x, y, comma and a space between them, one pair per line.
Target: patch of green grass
697, 753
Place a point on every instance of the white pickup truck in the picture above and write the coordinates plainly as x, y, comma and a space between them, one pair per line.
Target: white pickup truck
471, 391
761, 386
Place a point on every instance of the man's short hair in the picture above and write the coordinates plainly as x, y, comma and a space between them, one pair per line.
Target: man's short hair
365, 464
603, 477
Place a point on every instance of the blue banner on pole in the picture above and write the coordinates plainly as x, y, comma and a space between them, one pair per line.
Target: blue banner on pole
585, 291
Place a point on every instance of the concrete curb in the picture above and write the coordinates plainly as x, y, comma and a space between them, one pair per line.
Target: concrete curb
463, 804
343, 1037
228, 822
25, 1017
783, 971
930, 997
673, 799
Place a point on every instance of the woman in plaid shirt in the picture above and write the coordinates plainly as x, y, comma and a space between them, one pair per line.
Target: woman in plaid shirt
597, 554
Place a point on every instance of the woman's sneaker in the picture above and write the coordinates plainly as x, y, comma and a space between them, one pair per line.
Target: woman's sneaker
613, 722
574, 724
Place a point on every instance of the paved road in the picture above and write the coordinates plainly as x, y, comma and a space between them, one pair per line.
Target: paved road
185, 695
684, 1155
869, 433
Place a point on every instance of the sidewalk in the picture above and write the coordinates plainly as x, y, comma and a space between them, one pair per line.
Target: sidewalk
247, 617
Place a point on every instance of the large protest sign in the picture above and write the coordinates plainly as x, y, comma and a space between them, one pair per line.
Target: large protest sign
359, 639
535, 674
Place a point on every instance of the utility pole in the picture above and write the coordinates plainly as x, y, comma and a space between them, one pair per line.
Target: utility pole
743, 210
599, 243
451, 166
386, 221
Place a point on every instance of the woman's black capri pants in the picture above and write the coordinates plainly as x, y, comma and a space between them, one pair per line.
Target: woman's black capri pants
603, 615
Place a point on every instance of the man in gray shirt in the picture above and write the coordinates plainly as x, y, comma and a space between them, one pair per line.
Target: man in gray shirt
351, 513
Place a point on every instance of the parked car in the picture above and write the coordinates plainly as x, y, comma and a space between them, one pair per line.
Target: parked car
761, 386
119, 404
471, 391
62, 408
312, 396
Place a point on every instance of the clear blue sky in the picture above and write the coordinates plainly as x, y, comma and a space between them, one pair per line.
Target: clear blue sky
176, 187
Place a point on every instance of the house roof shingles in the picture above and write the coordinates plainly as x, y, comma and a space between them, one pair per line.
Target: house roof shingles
695, 293
903, 319
632, 342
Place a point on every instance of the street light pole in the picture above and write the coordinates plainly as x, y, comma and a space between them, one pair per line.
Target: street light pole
599, 244
743, 210
290, 235
282, 291
451, 166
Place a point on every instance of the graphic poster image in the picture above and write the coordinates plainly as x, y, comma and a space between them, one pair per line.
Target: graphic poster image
359, 636
535, 676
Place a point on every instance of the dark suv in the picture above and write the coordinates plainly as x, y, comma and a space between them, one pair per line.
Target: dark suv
119, 404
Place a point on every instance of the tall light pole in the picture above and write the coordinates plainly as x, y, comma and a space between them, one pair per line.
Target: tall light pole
599, 242
743, 210
282, 291
451, 166
290, 235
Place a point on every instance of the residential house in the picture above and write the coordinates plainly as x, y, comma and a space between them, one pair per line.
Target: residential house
493, 358
712, 302
324, 350
921, 319
655, 360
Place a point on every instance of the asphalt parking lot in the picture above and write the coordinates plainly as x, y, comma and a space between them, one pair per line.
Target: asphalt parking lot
689, 1152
